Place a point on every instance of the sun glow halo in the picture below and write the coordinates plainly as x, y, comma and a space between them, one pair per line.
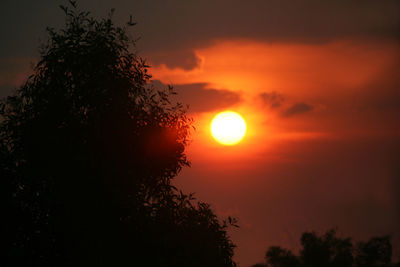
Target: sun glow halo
228, 128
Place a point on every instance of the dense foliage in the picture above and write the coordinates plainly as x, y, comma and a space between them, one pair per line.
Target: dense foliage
329, 250
88, 151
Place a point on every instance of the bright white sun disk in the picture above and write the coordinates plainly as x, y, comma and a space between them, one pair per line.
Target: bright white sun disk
228, 128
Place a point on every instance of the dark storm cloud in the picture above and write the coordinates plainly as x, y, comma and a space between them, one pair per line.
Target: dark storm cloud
176, 27
297, 108
271, 99
201, 98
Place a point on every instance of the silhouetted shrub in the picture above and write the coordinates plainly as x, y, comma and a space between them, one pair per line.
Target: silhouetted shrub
88, 151
329, 250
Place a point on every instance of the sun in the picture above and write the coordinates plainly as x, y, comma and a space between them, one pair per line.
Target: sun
228, 128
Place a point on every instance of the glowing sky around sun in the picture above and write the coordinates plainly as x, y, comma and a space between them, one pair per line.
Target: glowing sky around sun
304, 104
317, 83
228, 128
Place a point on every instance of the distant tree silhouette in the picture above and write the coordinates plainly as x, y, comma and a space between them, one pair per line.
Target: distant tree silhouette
279, 257
87, 154
375, 252
329, 250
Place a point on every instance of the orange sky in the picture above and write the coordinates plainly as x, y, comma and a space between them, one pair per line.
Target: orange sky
299, 69
345, 84
321, 75
317, 81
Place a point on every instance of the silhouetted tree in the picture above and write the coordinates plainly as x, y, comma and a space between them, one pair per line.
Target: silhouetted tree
87, 154
279, 257
376, 252
329, 250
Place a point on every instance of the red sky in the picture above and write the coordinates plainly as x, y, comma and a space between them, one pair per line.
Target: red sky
323, 136
317, 82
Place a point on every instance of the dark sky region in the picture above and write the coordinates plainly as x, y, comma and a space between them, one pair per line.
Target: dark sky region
317, 82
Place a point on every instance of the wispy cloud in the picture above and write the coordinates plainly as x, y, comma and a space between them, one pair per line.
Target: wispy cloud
201, 98
297, 108
272, 99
